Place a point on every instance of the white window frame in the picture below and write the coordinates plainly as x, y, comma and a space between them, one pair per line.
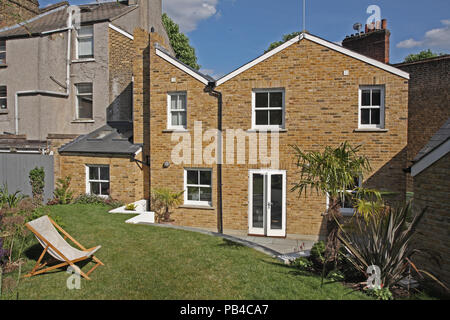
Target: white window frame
77, 116
381, 106
91, 36
346, 211
3, 51
283, 109
4, 97
186, 185
169, 110
88, 180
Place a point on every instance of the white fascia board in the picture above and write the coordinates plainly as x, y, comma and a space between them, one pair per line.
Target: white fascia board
171, 60
358, 56
121, 31
258, 60
430, 158
322, 42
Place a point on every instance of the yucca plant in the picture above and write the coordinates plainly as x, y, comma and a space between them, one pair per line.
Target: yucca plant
163, 200
384, 240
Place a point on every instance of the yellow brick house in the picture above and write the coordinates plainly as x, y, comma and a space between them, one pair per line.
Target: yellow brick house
307, 92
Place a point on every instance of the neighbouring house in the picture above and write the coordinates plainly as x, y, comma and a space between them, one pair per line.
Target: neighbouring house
430, 172
68, 72
307, 92
429, 102
13, 12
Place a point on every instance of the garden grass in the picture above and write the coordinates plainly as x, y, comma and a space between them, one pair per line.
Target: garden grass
148, 262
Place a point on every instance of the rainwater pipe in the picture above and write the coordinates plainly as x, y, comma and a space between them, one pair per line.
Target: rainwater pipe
46, 92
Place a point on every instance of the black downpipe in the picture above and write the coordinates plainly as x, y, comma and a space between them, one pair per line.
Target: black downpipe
210, 89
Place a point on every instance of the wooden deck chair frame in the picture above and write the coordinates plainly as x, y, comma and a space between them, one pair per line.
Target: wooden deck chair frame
37, 268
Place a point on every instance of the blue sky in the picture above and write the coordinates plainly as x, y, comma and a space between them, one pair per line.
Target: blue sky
228, 33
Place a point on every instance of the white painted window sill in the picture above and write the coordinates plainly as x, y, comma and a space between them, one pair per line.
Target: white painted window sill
4, 111
82, 121
3, 65
83, 60
175, 130
191, 206
370, 130
267, 130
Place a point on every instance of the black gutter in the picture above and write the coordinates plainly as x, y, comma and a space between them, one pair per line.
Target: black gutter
210, 89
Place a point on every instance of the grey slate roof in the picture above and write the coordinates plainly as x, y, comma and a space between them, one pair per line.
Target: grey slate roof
110, 139
57, 18
441, 136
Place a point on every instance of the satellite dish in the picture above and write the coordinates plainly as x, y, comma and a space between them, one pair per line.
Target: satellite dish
357, 26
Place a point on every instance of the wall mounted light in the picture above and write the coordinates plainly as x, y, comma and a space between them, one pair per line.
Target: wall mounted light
166, 164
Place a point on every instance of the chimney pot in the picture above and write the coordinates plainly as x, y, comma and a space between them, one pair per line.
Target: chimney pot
384, 24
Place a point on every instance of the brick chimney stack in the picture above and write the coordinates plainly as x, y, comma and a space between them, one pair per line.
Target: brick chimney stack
373, 42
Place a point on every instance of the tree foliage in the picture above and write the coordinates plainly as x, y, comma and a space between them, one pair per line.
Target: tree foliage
286, 38
424, 54
330, 173
180, 43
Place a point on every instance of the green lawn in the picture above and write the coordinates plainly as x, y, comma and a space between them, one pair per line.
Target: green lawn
144, 262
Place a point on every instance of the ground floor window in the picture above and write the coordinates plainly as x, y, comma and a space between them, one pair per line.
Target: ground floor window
347, 198
198, 187
97, 180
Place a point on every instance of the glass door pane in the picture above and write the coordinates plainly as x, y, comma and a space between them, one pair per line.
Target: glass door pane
276, 201
258, 201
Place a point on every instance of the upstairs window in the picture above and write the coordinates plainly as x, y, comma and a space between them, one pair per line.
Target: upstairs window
85, 40
97, 180
84, 110
2, 52
268, 109
3, 98
177, 110
371, 107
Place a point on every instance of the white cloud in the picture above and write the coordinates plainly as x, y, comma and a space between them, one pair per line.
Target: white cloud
435, 38
188, 13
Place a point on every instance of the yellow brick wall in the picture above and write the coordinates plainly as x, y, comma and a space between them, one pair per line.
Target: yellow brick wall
321, 109
431, 191
125, 175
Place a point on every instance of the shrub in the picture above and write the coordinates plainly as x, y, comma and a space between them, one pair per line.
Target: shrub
93, 199
336, 275
380, 294
130, 207
303, 264
37, 181
62, 194
317, 254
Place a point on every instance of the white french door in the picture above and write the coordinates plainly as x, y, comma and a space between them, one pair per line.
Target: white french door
267, 203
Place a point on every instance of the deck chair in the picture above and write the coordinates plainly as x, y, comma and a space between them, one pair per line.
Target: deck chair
45, 230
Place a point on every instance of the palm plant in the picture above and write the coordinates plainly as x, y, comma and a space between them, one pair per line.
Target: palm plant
330, 173
384, 240
163, 200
